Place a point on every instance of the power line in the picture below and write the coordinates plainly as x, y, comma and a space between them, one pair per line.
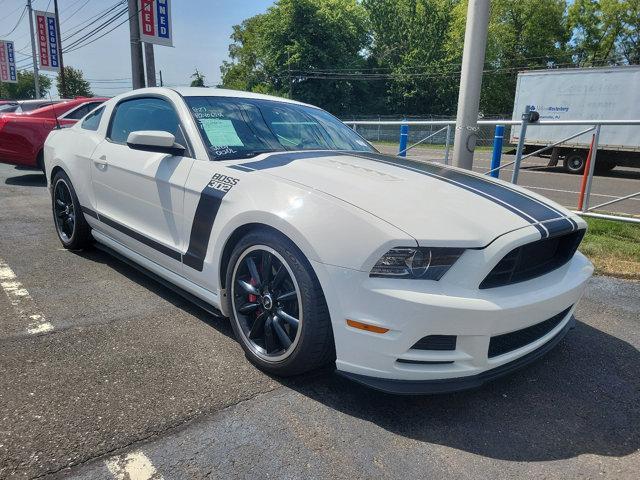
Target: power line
78, 43
24, 10
92, 19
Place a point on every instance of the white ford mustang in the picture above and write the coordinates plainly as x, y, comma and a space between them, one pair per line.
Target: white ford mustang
413, 277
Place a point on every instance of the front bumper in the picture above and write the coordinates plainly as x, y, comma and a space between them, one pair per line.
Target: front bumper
453, 306
447, 385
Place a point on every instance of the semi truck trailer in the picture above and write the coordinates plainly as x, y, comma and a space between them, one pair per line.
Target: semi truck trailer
611, 93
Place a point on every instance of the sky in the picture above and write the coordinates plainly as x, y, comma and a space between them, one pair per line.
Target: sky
201, 30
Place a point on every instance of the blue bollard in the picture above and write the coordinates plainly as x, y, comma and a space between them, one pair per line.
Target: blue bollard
404, 136
497, 151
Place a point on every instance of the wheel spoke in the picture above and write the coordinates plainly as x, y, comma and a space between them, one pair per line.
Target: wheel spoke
257, 329
248, 307
277, 280
285, 341
253, 271
247, 287
287, 318
269, 338
287, 296
266, 266
60, 203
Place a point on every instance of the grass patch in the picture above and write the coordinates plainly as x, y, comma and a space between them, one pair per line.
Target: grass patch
428, 146
613, 247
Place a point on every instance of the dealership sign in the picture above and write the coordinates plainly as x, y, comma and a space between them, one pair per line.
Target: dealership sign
155, 22
48, 41
8, 72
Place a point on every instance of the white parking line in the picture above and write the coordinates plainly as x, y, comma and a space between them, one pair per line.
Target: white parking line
133, 466
21, 301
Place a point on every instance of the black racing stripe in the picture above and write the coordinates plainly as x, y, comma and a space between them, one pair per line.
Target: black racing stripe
88, 211
429, 170
170, 252
281, 159
205, 215
517, 202
559, 226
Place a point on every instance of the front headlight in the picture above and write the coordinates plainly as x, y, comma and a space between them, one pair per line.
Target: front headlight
416, 262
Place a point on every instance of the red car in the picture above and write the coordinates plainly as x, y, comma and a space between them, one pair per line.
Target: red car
22, 135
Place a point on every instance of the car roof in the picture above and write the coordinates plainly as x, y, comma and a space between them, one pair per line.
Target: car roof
211, 92
62, 106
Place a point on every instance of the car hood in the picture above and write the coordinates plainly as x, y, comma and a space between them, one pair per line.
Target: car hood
435, 204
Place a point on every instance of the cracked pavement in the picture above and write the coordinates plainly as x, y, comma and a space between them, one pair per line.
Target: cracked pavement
134, 382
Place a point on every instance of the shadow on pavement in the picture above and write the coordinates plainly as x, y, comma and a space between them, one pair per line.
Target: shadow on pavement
583, 397
28, 180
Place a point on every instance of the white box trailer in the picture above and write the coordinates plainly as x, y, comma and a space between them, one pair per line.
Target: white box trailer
611, 93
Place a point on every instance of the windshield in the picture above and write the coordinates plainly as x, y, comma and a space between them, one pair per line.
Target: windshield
242, 127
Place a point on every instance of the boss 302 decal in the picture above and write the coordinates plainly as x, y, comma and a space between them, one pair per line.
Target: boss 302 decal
206, 212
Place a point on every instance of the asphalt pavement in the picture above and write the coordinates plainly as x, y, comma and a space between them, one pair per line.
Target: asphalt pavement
105, 374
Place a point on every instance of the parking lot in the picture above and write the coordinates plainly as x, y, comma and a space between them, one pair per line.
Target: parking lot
106, 374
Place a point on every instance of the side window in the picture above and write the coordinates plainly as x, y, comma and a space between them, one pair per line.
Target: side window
80, 112
144, 114
92, 122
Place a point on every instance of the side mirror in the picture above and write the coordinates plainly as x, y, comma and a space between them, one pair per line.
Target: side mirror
155, 141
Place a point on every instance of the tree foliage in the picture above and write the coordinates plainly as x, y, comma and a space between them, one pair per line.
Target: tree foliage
285, 50
404, 56
198, 79
25, 89
75, 84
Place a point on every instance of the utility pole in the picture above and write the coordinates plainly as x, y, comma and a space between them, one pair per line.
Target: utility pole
475, 42
150, 64
63, 84
161, 84
137, 65
36, 78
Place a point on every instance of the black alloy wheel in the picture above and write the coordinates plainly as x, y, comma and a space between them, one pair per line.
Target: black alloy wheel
64, 211
267, 303
72, 228
277, 307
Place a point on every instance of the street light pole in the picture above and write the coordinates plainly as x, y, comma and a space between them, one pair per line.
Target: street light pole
137, 65
150, 64
36, 77
475, 42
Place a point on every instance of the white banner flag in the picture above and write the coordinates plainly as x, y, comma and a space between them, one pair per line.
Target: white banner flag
47, 41
155, 22
8, 72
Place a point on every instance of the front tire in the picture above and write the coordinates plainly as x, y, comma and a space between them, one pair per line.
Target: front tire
73, 230
278, 311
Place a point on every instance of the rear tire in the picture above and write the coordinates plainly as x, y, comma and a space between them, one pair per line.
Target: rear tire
284, 325
73, 230
575, 161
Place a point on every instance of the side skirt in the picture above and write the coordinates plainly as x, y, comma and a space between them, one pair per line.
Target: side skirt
180, 285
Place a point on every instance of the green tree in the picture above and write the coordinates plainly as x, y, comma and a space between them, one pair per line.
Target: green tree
198, 79
409, 54
605, 31
25, 89
75, 84
288, 50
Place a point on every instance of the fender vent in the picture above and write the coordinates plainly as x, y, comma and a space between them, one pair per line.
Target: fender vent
436, 342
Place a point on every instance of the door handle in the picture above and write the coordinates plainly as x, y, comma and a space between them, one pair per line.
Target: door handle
101, 162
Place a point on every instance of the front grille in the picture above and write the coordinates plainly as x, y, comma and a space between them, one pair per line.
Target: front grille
533, 260
501, 344
436, 342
